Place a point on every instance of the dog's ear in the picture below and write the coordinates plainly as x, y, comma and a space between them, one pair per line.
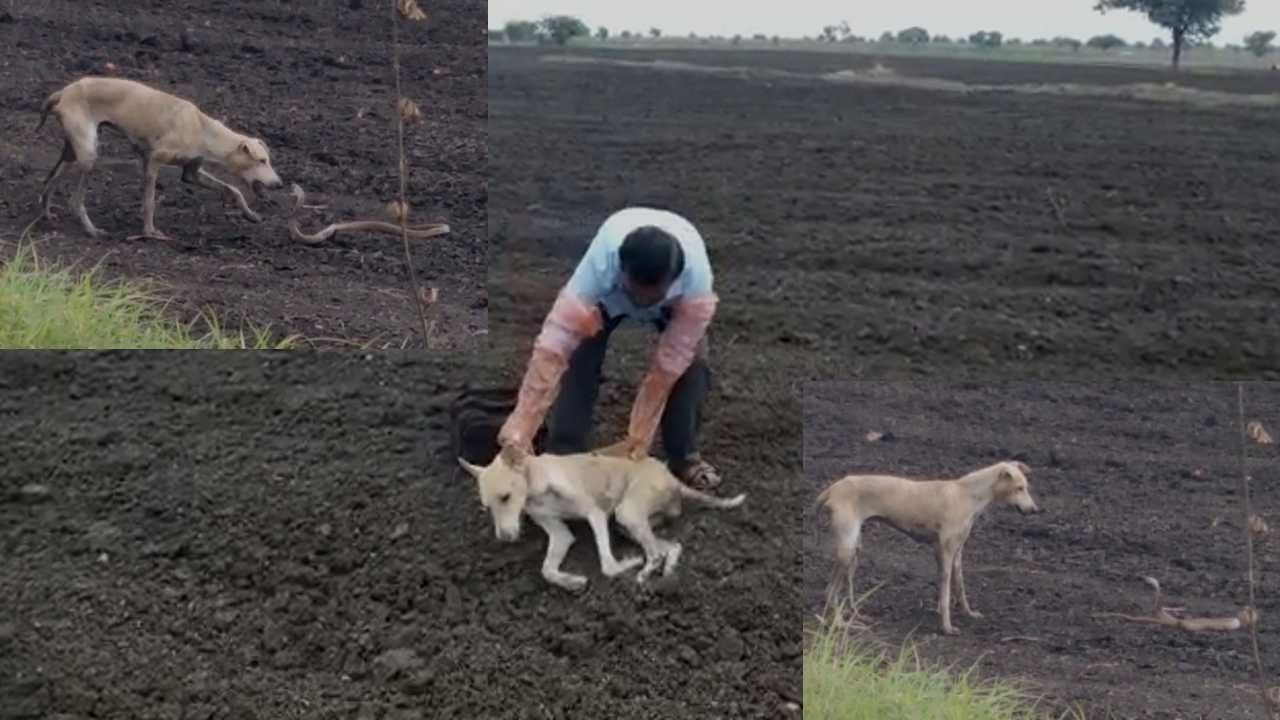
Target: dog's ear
1022, 467
472, 470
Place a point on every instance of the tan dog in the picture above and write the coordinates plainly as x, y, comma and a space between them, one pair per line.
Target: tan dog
934, 512
164, 130
553, 488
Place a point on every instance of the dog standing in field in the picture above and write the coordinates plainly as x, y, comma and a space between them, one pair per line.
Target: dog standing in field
164, 130
934, 512
553, 488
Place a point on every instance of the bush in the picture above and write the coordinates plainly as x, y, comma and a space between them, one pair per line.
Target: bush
987, 39
913, 36
1068, 43
1106, 42
521, 31
560, 29
1259, 43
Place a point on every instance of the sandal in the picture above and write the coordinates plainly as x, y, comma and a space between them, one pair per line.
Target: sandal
700, 474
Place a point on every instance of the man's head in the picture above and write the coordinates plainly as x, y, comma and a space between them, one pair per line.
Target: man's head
504, 488
651, 260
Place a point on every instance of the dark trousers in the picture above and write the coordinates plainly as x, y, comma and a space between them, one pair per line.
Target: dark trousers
570, 419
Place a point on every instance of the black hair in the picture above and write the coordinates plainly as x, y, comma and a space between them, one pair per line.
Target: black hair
651, 256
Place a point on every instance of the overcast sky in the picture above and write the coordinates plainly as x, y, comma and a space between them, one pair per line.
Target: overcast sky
796, 18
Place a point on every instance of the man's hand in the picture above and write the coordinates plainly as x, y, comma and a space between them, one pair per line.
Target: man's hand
515, 455
512, 445
629, 448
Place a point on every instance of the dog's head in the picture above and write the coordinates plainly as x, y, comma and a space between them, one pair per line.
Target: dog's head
1012, 487
252, 162
504, 488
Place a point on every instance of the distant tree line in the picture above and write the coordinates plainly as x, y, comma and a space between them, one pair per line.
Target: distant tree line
1191, 23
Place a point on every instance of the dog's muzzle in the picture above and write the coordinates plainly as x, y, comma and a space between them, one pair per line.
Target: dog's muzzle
259, 186
505, 536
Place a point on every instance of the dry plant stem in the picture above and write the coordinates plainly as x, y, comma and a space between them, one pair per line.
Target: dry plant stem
404, 171
1248, 539
1057, 209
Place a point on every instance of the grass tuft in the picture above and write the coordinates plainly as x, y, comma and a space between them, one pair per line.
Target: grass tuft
55, 308
846, 677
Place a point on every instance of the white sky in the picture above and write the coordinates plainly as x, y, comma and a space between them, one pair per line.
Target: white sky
797, 18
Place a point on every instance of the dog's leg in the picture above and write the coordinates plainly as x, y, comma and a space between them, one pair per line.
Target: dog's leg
193, 173
672, 554
150, 173
46, 194
946, 559
959, 578
609, 565
848, 531
84, 141
656, 551
77, 204
559, 540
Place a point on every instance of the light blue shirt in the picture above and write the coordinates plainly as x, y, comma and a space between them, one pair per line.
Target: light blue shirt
598, 277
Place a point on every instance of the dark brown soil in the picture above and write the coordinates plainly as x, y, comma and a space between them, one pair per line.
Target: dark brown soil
888, 232
314, 81
263, 535
1135, 480
876, 232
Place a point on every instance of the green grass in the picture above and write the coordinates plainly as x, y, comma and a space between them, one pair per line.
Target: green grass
846, 678
49, 307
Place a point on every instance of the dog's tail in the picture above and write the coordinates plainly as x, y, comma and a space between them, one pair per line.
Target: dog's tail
711, 500
846, 524
822, 497
48, 105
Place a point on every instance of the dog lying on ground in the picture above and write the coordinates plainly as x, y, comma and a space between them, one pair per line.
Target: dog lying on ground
934, 512
164, 130
553, 488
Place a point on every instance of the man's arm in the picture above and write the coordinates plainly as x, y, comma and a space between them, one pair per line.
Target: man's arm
676, 349
573, 318
570, 321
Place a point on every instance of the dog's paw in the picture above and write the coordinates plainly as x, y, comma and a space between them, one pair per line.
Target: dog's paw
252, 216
572, 583
624, 565
973, 613
645, 572
950, 631
672, 558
